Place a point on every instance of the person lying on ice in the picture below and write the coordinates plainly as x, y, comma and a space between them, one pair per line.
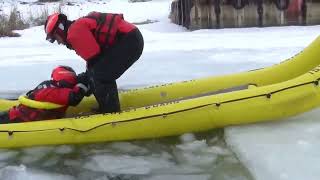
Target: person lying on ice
108, 44
65, 88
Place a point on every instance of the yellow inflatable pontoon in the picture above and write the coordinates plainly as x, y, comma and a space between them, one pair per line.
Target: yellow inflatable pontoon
272, 93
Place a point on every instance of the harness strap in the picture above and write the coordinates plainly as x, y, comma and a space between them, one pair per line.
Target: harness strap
46, 84
101, 20
109, 30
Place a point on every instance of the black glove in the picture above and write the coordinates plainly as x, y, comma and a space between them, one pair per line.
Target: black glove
83, 88
83, 79
76, 97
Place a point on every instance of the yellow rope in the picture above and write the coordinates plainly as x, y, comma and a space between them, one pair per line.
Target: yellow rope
37, 104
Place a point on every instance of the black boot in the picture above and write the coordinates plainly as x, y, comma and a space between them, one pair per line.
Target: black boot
107, 97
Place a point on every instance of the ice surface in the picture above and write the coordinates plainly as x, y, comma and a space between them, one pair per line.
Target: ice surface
22, 173
280, 150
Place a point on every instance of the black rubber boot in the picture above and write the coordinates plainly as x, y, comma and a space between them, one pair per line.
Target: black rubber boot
107, 97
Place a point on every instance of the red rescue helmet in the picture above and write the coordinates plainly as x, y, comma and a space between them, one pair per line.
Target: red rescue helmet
51, 23
64, 75
55, 23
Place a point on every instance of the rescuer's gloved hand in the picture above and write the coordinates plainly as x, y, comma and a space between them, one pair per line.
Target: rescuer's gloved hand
83, 88
83, 78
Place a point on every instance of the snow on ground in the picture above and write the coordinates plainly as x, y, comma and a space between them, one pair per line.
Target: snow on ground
274, 150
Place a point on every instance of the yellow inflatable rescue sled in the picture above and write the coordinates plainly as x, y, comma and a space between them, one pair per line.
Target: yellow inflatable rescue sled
271, 93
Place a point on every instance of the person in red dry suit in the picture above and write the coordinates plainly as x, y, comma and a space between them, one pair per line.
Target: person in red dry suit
63, 89
108, 44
